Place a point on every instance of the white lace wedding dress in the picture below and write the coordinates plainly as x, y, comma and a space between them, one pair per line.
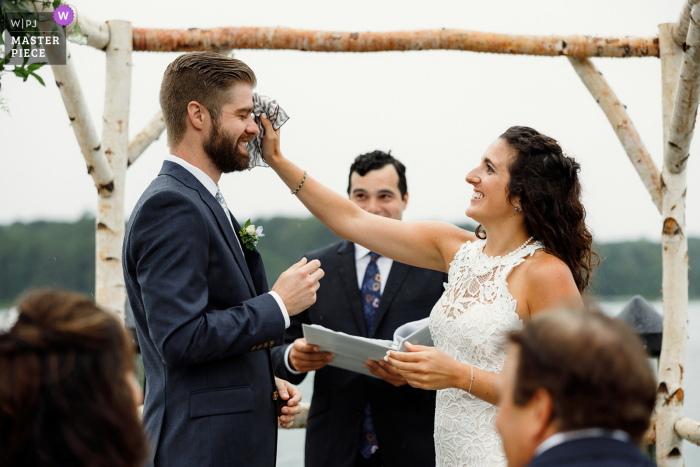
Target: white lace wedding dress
469, 324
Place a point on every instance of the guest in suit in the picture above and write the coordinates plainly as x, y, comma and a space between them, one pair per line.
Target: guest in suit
205, 317
576, 389
359, 420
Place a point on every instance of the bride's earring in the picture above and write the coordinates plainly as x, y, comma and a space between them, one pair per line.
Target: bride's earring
517, 208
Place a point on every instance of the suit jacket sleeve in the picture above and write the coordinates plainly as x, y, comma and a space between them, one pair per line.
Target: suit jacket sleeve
294, 332
170, 253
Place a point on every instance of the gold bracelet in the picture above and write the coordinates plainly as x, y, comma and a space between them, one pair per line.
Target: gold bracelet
300, 185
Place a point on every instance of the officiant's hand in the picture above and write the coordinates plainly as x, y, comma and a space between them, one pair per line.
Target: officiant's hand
305, 357
386, 372
425, 367
288, 402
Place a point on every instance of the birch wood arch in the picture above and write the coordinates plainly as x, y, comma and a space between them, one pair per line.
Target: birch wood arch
677, 46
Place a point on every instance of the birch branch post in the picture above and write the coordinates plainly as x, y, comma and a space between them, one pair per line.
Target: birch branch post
622, 124
689, 430
680, 29
96, 33
149, 134
110, 292
187, 40
98, 166
669, 394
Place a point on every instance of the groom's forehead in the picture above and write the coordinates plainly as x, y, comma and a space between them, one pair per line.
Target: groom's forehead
239, 97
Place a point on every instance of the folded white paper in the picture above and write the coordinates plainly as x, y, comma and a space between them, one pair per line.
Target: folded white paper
352, 352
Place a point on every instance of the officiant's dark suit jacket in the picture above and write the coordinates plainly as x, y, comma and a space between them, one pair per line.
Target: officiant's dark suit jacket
205, 326
592, 452
403, 417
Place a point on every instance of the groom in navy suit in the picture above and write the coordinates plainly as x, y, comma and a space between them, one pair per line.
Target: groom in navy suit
205, 317
576, 390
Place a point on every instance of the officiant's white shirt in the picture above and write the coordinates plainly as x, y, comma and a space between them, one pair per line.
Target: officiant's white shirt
362, 258
212, 188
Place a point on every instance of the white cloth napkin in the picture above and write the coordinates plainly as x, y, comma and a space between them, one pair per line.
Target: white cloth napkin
278, 117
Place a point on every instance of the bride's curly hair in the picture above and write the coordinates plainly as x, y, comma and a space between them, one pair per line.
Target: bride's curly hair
546, 182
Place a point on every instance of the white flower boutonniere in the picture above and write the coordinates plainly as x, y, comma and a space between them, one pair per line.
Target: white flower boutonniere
250, 235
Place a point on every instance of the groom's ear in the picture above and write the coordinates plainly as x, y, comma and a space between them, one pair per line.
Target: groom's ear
196, 114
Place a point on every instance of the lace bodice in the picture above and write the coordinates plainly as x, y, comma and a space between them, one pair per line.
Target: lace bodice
469, 323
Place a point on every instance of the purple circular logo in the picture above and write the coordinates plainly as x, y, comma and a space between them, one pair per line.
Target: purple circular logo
63, 15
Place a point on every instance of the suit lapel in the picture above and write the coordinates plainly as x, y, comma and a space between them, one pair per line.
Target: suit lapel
397, 276
348, 276
182, 174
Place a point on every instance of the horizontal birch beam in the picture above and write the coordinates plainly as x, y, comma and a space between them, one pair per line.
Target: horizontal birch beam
623, 126
149, 134
680, 29
688, 429
185, 40
685, 109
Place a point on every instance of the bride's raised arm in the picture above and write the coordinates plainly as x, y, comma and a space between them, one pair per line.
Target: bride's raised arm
430, 245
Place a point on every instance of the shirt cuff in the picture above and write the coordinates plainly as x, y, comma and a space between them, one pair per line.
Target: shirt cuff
279, 301
286, 361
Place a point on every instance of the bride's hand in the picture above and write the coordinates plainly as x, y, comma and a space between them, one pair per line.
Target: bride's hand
271, 142
426, 367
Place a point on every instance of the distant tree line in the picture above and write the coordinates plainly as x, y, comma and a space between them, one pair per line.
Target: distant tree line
62, 254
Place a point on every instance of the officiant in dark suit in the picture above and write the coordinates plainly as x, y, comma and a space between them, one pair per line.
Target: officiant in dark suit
355, 419
205, 316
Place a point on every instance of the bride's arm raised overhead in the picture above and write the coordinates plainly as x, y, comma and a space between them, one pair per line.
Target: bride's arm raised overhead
430, 245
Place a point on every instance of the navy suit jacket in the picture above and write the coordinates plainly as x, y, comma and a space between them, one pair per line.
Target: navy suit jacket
592, 452
205, 326
403, 417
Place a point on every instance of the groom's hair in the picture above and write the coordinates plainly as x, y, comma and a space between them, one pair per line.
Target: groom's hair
376, 160
204, 77
594, 368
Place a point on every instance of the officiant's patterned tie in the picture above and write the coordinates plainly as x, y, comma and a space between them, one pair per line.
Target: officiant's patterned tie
371, 286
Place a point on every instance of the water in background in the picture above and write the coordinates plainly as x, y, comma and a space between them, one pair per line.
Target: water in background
290, 450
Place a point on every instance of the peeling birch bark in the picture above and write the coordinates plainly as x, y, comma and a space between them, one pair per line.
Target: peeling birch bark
98, 166
186, 40
96, 33
110, 292
680, 29
676, 150
149, 134
688, 429
623, 126
674, 243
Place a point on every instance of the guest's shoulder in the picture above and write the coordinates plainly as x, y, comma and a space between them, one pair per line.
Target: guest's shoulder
330, 252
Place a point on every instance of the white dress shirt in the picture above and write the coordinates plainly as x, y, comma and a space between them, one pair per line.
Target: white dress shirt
362, 259
560, 438
212, 188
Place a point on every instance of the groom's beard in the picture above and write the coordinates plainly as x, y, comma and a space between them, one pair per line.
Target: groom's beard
223, 151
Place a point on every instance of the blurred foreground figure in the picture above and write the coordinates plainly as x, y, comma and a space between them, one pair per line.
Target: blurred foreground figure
68, 393
576, 389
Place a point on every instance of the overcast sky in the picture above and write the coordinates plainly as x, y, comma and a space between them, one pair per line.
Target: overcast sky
436, 110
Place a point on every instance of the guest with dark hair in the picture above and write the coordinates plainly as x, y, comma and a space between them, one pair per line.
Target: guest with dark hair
68, 393
576, 389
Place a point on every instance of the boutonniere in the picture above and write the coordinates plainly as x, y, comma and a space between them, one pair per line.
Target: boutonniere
250, 235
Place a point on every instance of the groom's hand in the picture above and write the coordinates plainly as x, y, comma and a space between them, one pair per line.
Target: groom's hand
297, 285
288, 402
305, 357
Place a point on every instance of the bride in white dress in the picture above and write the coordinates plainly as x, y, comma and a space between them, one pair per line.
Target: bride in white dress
530, 253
